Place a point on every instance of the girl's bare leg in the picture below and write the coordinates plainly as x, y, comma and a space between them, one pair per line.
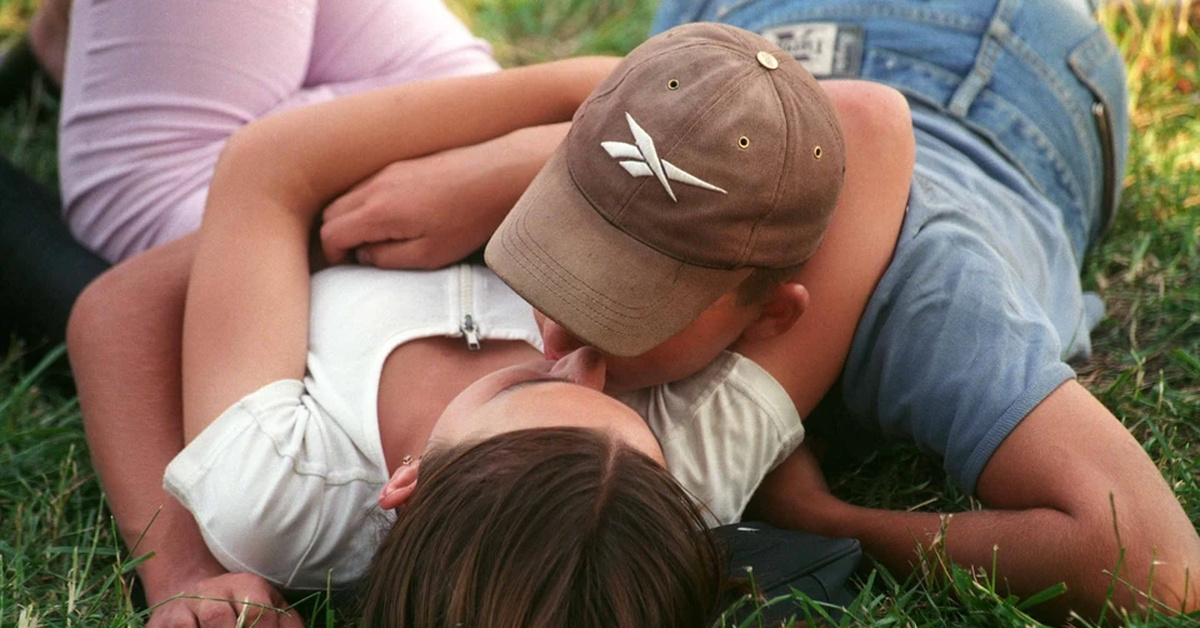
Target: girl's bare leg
124, 338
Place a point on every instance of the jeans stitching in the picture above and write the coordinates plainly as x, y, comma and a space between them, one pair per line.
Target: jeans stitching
1047, 149
991, 43
1037, 64
946, 80
871, 10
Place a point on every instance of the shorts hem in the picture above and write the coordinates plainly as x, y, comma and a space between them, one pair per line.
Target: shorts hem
196, 458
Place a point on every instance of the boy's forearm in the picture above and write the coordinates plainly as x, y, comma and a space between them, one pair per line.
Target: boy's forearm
1053, 497
507, 166
304, 157
1024, 552
1030, 550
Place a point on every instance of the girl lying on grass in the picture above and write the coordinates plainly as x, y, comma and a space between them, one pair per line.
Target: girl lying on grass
961, 348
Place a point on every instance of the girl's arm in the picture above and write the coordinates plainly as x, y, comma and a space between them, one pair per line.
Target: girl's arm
246, 323
124, 341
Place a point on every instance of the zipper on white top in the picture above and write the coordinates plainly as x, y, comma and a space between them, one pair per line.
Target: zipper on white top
466, 296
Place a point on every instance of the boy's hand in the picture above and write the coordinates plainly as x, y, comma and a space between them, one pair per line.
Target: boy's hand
417, 213
435, 210
220, 601
795, 496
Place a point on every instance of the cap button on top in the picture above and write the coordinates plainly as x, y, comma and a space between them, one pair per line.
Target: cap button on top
767, 60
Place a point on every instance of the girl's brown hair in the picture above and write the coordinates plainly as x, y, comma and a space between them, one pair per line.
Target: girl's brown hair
545, 528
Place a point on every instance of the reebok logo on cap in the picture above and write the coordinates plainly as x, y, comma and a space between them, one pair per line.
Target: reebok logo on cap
649, 164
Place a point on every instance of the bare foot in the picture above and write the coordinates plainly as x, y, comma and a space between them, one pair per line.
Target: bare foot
48, 36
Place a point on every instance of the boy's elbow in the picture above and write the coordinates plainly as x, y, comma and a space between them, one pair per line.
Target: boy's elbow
1177, 587
1166, 580
1139, 563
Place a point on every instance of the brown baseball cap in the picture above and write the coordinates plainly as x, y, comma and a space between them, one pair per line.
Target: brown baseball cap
708, 153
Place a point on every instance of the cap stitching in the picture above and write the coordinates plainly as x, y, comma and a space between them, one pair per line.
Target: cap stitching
778, 180
826, 116
520, 258
557, 279
622, 328
570, 280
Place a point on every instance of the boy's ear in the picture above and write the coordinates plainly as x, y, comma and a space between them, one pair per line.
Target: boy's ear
779, 313
400, 487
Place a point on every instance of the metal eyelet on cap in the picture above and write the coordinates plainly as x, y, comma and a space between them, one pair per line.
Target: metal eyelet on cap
767, 60
817, 152
673, 84
743, 142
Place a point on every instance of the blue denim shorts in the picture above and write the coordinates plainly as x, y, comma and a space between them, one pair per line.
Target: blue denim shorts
1039, 80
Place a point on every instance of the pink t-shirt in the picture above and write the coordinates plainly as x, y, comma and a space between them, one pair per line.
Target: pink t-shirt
154, 88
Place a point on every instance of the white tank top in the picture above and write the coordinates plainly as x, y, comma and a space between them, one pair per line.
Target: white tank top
284, 483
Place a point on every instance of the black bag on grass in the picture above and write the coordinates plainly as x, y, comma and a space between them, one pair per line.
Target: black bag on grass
781, 561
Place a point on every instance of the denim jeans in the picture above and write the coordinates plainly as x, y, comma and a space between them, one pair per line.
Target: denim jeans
1039, 80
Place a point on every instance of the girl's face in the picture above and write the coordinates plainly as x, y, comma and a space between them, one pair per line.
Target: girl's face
679, 356
561, 393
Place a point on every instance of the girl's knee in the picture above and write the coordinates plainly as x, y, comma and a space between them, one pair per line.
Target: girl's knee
92, 316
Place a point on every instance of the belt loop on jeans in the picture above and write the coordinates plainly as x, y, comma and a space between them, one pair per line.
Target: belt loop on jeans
990, 45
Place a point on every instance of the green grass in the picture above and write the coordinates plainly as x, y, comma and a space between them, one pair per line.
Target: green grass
62, 565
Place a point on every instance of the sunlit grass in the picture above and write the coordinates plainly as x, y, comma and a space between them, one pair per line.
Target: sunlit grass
62, 565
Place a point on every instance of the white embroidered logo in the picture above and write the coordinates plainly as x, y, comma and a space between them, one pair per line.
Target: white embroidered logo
642, 161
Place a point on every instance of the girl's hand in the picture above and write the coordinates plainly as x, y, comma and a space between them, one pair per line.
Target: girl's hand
227, 600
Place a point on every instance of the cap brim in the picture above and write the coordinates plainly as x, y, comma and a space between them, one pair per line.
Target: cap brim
610, 290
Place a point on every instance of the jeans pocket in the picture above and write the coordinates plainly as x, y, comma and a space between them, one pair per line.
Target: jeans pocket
1098, 65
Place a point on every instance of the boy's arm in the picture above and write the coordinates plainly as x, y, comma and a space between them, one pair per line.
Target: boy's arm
1052, 485
124, 341
1048, 484
435, 210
